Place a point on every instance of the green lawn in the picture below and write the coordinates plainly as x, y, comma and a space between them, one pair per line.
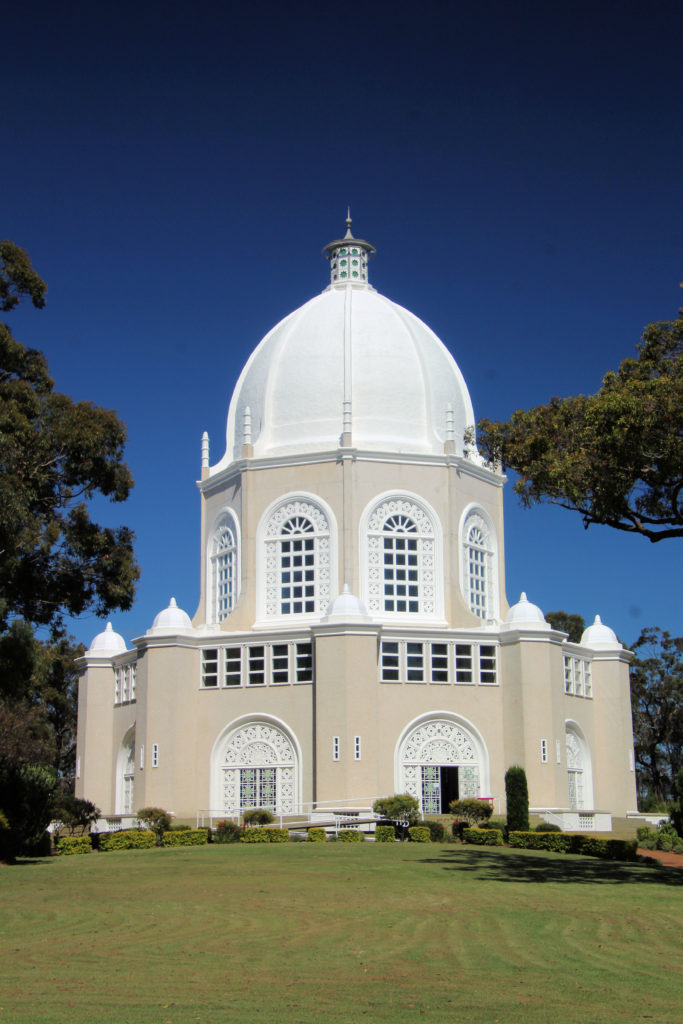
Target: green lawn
339, 933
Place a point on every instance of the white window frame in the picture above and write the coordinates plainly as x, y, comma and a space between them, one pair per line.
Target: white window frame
335, 748
380, 554
239, 662
222, 560
482, 601
357, 749
578, 676
400, 663
544, 751
155, 755
270, 556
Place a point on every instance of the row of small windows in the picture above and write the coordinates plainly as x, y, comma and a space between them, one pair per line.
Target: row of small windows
401, 561
578, 679
336, 748
407, 661
257, 665
124, 683
155, 756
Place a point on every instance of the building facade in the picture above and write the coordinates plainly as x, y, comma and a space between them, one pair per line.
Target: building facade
352, 638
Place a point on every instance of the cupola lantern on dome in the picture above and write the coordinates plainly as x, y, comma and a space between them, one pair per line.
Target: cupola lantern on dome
348, 258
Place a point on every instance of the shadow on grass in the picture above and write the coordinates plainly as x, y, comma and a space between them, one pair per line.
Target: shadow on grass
532, 866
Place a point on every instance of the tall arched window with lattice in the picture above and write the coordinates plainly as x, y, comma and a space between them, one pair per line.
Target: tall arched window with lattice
401, 550
223, 569
297, 560
478, 565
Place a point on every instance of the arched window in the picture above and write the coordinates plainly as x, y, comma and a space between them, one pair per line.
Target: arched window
297, 560
400, 559
255, 763
478, 565
223, 569
579, 773
125, 774
441, 758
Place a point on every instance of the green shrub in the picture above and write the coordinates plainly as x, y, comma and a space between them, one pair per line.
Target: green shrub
316, 835
517, 799
572, 842
497, 823
74, 845
157, 819
470, 810
128, 839
258, 816
265, 835
548, 826
419, 834
186, 837
483, 836
38, 847
678, 846
436, 830
385, 834
401, 807
180, 828
665, 843
227, 832
350, 835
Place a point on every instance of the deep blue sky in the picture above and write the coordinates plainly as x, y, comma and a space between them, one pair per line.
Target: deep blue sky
174, 171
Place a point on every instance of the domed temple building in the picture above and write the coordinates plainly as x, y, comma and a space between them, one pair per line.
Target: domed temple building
353, 639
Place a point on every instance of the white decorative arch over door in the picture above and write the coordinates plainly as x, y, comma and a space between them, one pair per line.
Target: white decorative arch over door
125, 774
256, 764
579, 770
439, 758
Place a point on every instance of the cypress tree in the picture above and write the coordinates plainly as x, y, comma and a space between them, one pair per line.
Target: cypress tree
517, 799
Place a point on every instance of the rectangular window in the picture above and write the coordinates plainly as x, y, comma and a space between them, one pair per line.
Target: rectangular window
142, 756
587, 679
578, 679
568, 676
210, 667
117, 686
356, 748
415, 666
335, 748
258, 788
558, 751
544, 751
257, 666
390, 664
487, 665
280, 663
233, 666
133, 669
439, 663
155, 755
463, 663
78, 766
304, 663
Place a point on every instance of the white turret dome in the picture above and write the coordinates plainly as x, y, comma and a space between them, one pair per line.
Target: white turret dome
348, 364
599, 635
172, 618
346, 606
107, 643
527, 613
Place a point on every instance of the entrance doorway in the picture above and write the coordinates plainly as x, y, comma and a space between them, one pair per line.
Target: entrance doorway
440, 785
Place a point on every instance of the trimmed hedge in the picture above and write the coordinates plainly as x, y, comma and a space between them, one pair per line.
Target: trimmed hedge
316, 835
385, 834
186, 837
436, 829
482, 836
419, 834
575, 842
227, 832
74, 845
265, 835
350, 835
129, 839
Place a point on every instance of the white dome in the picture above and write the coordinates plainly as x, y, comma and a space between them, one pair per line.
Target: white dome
349, 360
346, 605
173, 618
599, 635
525, 612
108, 643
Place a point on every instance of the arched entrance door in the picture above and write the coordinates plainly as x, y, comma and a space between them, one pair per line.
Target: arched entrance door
257, 765
439, 760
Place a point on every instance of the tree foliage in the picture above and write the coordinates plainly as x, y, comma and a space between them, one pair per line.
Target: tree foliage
567, 622
473, 811
55, 455
615, 457
657, 703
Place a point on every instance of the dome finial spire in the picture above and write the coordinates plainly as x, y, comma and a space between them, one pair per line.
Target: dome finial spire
348, 223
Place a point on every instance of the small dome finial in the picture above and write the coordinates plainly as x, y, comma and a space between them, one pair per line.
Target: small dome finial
348, 223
